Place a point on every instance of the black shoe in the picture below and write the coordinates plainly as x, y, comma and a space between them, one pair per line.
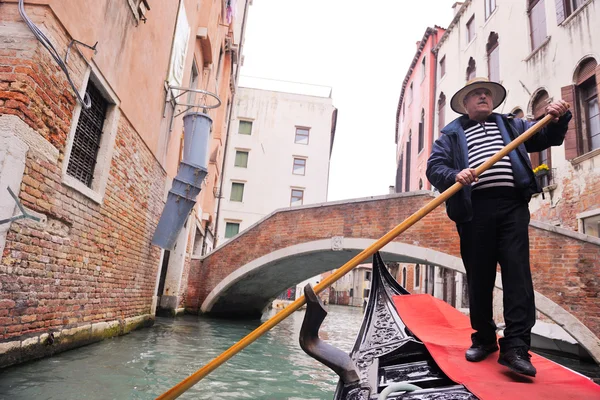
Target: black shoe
480, 352
517, 359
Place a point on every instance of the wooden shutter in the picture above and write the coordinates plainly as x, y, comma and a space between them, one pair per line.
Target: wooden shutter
561, 12
535, 159
572, 139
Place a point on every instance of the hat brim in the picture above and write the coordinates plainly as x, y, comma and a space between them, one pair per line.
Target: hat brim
497, 90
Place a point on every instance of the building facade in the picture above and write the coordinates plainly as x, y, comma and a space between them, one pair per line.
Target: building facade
278, 156
90, 139
540, 51
414, 122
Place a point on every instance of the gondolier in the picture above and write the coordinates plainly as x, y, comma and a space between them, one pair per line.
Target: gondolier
491, 212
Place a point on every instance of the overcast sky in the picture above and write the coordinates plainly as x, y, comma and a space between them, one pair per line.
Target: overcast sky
360, 49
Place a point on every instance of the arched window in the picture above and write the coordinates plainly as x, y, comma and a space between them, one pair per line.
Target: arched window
420, 184
583, 135
421, 131
518, 113
471, 69
404, 276
493, 57
441, 111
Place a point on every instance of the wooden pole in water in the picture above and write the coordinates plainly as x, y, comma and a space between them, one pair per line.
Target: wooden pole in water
191, 380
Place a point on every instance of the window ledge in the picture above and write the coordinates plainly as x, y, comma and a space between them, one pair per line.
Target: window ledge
549, 188
574, 14
585, 156
540, 47
79, 186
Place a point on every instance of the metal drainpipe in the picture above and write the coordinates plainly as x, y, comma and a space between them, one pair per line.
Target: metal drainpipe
231, 105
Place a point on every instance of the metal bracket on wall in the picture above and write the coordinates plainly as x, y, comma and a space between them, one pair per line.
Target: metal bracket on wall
24, 213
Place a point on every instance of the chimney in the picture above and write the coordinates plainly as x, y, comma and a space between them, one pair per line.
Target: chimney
392, 189
456, 6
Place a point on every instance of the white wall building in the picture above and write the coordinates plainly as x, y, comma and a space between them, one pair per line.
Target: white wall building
540, 51
278, 156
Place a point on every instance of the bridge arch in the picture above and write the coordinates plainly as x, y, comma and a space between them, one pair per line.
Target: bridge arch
246, 291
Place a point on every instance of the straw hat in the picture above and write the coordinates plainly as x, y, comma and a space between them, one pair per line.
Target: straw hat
498, 93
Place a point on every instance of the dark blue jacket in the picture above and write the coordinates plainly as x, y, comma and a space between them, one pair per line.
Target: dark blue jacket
449, 156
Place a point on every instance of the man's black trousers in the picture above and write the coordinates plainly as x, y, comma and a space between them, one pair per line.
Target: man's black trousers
498, 233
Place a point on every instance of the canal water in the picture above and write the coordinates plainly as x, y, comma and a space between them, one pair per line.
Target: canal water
147, 362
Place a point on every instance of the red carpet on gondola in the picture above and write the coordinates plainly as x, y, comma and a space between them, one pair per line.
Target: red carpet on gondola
446, 333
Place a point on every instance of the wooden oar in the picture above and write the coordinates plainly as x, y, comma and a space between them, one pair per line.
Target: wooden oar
191, 380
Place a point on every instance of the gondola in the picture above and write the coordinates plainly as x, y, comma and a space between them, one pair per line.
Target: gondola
385, 352
390, 361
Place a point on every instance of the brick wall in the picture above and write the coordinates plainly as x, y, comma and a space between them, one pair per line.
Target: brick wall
89, 262
565, 269
580, 192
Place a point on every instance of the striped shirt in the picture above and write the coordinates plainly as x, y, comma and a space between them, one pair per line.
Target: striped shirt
483, 141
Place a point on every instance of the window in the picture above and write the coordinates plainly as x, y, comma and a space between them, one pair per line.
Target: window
537, 23
193, 83
583, 135
493, 58
231, 229
139, 8
297, 197
471, 29
490, 6
443, 67
407, 157
299, 166
441, 111
88, 135
404, 276
417, 275
591, 225
471, 69
367, 276
241, 159
245, 128
421, 140
237, 191
410, 93
564, 8
302, 135
423, 65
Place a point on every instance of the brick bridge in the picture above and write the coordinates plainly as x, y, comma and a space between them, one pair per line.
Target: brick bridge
242, 276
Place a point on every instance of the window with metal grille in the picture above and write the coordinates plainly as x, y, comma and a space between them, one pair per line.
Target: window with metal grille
88, 133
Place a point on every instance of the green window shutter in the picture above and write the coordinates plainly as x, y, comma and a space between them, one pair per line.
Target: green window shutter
231, 229
241, 159
237, 191
245, 128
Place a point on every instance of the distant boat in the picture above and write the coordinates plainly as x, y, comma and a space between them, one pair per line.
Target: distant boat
389, 361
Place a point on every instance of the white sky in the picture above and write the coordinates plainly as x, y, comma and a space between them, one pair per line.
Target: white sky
360, 49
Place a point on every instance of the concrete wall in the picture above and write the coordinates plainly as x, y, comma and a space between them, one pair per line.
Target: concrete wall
523, 72
268, 179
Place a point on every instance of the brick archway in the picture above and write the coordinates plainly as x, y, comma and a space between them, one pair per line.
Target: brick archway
565, 265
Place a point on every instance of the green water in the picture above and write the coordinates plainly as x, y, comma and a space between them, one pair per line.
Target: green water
147, 362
